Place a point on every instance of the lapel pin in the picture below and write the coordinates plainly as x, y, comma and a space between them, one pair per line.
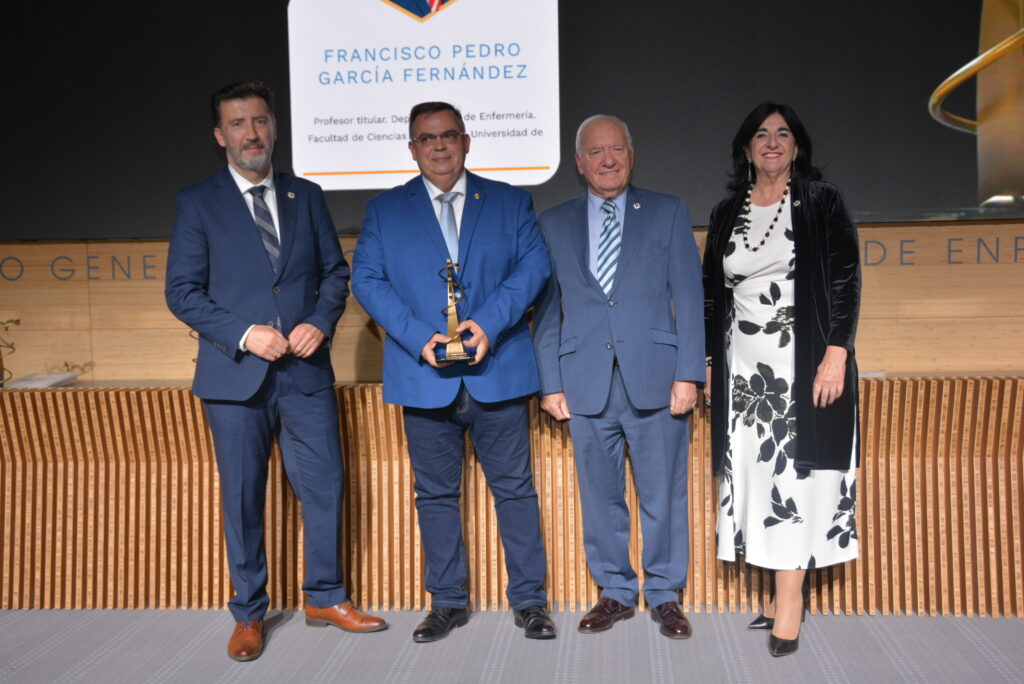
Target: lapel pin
636, 205
291, 195
796, 204
476, 195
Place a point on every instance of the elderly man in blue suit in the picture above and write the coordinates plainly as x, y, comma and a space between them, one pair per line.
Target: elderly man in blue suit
254, 266
620, 341
489, 229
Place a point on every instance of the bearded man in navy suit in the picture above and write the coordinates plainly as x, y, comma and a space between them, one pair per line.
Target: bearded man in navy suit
489, 230
255, 268
620, 343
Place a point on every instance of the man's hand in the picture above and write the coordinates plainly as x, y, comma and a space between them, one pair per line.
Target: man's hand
305, 339
478, 340
683, 398
556, 405
828, 383
266, 342
428, 350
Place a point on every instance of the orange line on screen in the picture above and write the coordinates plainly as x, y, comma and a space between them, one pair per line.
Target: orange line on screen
515, 168
355, 173
359, 173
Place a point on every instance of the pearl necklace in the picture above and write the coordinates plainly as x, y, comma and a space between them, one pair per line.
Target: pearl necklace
746, 219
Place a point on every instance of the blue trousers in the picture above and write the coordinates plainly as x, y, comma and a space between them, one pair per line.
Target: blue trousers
243, 432
500, 434
658, 449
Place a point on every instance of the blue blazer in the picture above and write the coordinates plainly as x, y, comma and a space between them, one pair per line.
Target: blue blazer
652, 321
220, 281
504, 267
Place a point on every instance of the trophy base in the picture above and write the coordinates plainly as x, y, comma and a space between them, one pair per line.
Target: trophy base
442, 355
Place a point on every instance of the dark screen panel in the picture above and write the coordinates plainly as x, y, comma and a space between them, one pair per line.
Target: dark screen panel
110, 106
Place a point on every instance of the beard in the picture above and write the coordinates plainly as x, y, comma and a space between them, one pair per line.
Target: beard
253, 162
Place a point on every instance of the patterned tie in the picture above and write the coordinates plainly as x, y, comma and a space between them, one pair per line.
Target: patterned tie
265, 223
448, 229
608, 247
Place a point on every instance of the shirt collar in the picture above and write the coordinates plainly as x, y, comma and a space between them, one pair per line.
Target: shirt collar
459, 187
244, 184
596, 202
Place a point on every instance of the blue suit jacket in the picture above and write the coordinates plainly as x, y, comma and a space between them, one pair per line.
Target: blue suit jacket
220, 281
504, 267
652, 321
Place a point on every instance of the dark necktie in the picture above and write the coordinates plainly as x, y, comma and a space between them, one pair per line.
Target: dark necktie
265, 223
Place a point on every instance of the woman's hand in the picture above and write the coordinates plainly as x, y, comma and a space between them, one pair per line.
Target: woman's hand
828, 383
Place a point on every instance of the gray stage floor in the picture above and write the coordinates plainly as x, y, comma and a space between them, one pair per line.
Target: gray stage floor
188, 646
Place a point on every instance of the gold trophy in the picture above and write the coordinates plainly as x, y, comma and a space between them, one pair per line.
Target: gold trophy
453, 350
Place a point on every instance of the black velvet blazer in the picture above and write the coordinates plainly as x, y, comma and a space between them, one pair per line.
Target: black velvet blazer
827, 294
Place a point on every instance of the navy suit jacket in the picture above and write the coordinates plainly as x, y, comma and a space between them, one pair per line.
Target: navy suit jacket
652, 321
504, 265
220, 281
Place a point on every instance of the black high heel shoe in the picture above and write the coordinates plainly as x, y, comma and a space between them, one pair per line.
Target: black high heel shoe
762, 622
781, 647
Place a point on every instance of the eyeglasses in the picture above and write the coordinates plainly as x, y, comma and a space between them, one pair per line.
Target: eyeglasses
428, 139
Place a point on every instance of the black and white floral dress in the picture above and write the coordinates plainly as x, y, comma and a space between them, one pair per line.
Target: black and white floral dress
777, 516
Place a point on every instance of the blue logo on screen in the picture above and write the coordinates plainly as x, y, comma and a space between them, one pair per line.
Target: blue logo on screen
420, 9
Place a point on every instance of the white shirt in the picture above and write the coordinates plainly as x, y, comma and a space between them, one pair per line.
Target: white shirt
270, 199
457, 204
269, 196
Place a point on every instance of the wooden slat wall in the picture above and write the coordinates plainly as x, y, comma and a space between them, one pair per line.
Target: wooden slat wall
938, 298
110, 499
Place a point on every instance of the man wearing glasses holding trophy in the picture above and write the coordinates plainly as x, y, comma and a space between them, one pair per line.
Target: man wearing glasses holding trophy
448, 264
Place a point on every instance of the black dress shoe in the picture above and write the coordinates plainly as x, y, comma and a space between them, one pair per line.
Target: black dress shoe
673, 623
536, 621
761, 622
603, 615
438, 623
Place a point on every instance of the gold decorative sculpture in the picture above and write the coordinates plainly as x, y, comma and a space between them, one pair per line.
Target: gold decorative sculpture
1000, 103
71, 367
8, 348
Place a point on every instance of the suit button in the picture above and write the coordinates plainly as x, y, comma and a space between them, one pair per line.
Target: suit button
611, 303
608, 346
277, 290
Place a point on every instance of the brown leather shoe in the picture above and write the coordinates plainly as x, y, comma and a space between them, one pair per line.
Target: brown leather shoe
673, 623
603, 615
246, 643
345, 616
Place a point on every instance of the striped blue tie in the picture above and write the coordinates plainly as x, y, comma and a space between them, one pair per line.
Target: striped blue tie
265, 223
608, 247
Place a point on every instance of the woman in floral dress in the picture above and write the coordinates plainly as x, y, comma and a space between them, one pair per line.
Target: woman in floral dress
782, 292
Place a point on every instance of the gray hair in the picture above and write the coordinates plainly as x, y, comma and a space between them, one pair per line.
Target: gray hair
601, 117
